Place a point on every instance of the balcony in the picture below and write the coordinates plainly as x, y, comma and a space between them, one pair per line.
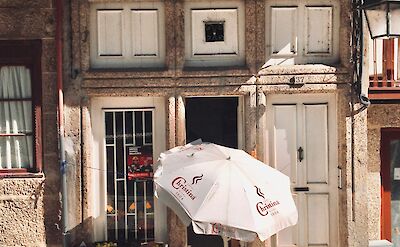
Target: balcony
384, 77
384, 90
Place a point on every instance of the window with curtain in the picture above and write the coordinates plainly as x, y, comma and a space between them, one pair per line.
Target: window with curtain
20, 106
16, 148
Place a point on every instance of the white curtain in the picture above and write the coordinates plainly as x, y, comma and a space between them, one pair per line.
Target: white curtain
15, 118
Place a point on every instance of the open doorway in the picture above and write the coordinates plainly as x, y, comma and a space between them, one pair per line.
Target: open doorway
213, 119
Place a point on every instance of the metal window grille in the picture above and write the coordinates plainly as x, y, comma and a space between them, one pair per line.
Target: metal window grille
129, 162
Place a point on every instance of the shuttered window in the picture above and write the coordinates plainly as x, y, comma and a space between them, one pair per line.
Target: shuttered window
127, 35
302, 33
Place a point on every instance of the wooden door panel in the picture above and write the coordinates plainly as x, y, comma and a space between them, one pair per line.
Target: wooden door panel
289, 236
318, 220
285, 139
316, 143
307, 123
285, 159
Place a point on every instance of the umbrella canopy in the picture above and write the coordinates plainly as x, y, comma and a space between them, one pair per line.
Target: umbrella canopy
225, 191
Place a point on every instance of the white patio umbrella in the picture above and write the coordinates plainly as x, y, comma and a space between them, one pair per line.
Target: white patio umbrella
224, 191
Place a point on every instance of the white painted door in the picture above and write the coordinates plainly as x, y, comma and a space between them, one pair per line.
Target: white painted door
302, 144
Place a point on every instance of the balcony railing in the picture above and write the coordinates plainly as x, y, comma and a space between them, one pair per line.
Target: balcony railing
383, 70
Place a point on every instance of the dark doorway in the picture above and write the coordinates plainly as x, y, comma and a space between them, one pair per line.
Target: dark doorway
213, 119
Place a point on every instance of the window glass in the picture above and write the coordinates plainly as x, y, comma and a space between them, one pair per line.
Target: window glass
16, 135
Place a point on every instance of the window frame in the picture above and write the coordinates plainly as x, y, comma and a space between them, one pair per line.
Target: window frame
115, 179
98, 188
195, 59
27, 53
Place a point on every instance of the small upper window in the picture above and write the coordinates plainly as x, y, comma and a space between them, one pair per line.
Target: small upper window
214, 33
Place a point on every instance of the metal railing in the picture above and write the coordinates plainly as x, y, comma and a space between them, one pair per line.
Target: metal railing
384, 78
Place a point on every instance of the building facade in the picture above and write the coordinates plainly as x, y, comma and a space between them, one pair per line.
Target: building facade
383, 129
273, 78
29, 171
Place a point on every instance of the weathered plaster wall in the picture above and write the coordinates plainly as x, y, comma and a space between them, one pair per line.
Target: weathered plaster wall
29, 207
379, 116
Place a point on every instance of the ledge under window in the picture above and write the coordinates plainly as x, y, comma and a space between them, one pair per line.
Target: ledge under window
19, 173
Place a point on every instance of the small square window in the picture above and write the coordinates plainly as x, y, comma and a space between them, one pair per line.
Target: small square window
214, 31
215, 35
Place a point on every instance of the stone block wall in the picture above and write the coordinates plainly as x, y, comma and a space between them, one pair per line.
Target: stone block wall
30, 207
174, 82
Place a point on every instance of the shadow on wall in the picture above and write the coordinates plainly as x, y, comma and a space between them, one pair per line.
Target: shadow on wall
81, 235
52, 208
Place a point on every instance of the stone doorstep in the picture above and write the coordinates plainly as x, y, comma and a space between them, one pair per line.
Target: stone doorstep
379, 243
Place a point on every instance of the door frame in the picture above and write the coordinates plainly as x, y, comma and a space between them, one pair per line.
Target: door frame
387, 135
240, 140
268, 157
98, 187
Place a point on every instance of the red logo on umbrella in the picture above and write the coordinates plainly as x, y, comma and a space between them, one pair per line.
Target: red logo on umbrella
264, 206
216, 228
179, 183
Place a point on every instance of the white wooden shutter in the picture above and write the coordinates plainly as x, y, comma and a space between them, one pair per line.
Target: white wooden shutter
109, 31
284, 42
144, 32
319, 30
